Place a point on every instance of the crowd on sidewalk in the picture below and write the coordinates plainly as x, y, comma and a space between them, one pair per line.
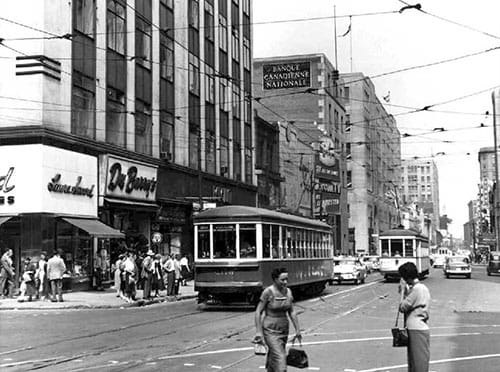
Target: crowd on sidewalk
43, 279
153, 273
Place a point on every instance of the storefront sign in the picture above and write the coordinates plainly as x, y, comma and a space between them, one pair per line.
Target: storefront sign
37, 179
286, 75
55, 186
156, 238
128, 179
327, 179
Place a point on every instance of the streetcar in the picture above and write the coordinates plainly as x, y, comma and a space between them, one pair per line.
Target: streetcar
237, 247
397, 246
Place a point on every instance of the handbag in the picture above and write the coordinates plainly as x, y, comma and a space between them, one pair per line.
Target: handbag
259, 348
399, 335
297, 357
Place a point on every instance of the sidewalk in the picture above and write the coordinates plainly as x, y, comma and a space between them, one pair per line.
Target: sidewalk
96, 300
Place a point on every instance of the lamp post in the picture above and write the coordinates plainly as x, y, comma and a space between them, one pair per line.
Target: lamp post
496, 197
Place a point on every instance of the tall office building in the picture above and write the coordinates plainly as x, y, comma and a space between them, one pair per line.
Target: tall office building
118, 118
373, 153
420, 185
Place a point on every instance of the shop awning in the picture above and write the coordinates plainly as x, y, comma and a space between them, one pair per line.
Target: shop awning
132, 204
4, 219
95, 228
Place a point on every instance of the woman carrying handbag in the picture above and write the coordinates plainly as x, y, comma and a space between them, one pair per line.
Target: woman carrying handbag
271, 321
415, 307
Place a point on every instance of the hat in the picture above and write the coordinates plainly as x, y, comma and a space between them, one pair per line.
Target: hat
158, 256
150, 253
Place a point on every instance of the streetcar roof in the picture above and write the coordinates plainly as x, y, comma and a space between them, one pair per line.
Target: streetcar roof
404, 233
235, 213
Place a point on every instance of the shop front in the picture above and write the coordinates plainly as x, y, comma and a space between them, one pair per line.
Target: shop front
127, 202
48, 200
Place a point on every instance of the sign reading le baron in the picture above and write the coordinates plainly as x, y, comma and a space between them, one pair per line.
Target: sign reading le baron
286, 75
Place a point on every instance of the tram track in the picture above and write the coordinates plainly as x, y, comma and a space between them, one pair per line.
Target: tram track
317, 304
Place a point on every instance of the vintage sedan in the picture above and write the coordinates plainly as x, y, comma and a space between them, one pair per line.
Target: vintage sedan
349, 269
457, 265
493, 263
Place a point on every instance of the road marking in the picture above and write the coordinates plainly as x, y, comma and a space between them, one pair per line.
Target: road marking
450, 360
325, 342
216, 367
321, 298
8, 359
313, 368
188, 364
114, 362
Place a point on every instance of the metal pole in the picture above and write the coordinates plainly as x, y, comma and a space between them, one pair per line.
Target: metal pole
335, 35
496, 198
350, 38
200, 197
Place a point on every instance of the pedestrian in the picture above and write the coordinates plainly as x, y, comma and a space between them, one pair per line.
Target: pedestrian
415, 307
130, 276
271, 320
118, 274
185, 271
157, 278
100, 268
7, 274
169, 274
55, 271
177, 273
41, 277
28, 284
147, 274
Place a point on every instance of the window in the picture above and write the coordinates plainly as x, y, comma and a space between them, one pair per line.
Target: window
143, 42
224, 156
194, 147
143, 124
224, 241
166, 58
246, 53
248, 165
209, 84
116, 30
204, 241
83, 112
349, 179
247, 107
222, 32
223, 104
209, 21
408, 248
237, 161
396, 247
275, 239
348, 150
167, 136
210, 151
85, 17
194, 74
236, 102
246, 7
116, 132
347, 123
168, 3
194, 14
235, 40
248, 246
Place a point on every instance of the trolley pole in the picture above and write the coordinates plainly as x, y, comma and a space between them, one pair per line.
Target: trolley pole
496, 198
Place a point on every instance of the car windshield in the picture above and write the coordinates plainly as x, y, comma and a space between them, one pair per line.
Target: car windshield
495, 257
458, 260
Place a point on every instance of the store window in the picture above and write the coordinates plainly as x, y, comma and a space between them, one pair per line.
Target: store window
77, 247
248, 245
224, 241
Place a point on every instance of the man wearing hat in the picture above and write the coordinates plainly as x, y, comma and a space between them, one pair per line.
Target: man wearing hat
147, 273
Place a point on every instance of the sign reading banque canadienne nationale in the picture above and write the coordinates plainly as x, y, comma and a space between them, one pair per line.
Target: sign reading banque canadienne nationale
286, 75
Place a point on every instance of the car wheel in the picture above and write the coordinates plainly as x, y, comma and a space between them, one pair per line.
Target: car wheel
447, 276
363, 280
489, 274
468, 276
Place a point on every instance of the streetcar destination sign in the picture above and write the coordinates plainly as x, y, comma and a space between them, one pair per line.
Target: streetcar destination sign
286, 75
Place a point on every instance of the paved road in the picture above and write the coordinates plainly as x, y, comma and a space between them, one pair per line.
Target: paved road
347, 329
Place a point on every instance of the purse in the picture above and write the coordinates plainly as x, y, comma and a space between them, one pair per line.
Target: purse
259, 348
297, 357
399, 335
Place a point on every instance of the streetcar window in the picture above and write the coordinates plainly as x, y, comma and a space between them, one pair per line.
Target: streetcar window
275, 240
409, 248
204, 241
248, 241
396, 247
293, 240
266, 241
385, 247
284, 242
224, 241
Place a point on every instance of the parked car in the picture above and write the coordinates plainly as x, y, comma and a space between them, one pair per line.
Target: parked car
458, 265
493, 263
439, 261
349, 269
371, 262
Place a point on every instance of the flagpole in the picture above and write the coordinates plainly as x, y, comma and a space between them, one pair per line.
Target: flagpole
335, 34
350, 38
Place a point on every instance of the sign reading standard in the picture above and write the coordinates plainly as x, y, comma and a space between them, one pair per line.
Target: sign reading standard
286, 75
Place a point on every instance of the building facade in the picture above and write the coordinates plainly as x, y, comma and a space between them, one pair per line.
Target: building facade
420, 185
302, 93
153, 94
373, 153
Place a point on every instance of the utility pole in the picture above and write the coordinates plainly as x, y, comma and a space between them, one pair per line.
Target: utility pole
335, 35
200, 197
496, 198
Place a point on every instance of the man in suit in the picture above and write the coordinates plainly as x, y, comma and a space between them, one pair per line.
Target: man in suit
55, 272
6, 274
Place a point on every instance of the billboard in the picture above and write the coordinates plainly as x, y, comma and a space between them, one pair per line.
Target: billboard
286, 75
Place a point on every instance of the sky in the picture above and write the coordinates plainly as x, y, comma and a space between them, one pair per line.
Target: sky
389, 42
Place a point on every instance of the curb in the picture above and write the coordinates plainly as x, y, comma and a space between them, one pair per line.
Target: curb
138, 303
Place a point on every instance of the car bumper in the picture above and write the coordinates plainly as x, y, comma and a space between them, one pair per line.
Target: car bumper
344, 277
458, 271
